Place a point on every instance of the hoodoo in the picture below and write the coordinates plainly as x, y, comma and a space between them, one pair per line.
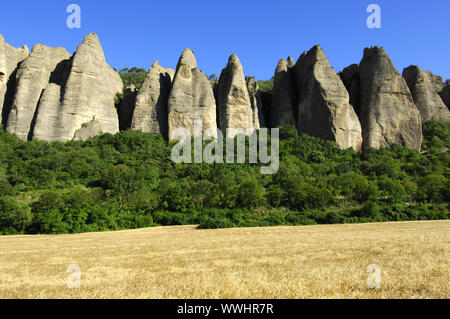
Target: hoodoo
388, 113
323, 107
191, 98
234, 106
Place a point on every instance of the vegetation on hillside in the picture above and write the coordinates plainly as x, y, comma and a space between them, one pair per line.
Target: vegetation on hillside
134, 75
128, 180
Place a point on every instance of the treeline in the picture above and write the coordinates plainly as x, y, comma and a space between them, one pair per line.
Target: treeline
128, 180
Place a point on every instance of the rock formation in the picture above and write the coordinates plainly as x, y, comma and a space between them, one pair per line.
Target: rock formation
10, 58
32, 78
191, 98
87, 130
258, 119
350, 78
150, 113
388, 113
234, 106
126, 107
290, 62
52, 96
283, 97
323, 107
425, 88
89, 91
445, 94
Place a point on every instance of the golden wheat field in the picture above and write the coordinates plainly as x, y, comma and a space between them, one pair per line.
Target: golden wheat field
327, 261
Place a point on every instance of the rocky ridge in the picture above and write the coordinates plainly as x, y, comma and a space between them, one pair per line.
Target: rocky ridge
53, 96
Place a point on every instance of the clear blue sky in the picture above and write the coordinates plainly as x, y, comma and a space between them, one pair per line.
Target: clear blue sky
136, 32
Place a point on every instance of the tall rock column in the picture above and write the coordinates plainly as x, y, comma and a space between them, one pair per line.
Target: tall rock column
10, 58
323, 108
258, 119
150, 113
283, 96
425, 88
235, 111
388, 113
87, 92
32, 78
191, 98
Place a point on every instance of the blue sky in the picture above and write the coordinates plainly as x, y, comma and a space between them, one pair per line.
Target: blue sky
135, 33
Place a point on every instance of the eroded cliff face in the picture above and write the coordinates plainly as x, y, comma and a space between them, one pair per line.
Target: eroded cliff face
258, 119
10, 59
388, 113
191, 98
53, 96
323, 106
150, 113
32, 78
234, 106
89, 91
283, 96
425, 88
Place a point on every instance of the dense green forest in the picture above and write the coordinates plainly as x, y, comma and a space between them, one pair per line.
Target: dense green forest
128, 180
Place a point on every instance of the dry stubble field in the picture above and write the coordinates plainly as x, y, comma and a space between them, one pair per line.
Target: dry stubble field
328, 261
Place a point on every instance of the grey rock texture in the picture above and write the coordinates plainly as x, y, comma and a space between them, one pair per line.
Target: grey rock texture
10, 58
351, 79
32, 78
191, 98
258, 119
88, 90
48, 114
126, 107
235, 110
425, 88
445, 94
283, 97
87, 130
388, 113
323, 107
150, 113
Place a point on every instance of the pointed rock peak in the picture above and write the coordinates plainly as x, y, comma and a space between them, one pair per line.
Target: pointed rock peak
233, 59
92, 40
301, 57
290, 62
187, 58
156, 64
91, 37
317, 52
412, 68
234, 63
282, 66
1, 37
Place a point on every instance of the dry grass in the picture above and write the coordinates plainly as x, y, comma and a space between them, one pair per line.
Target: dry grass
278, 262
